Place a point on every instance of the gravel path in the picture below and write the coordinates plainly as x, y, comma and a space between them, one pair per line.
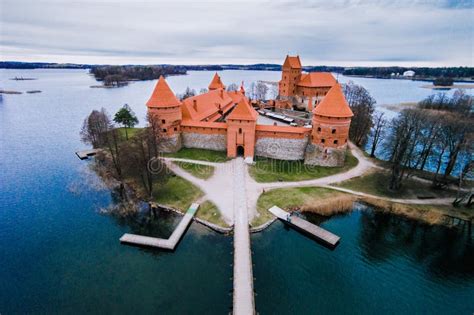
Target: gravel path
221, 188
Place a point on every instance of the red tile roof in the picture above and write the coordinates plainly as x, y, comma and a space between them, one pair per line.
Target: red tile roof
243, 111
216, 83
203, 106
292, 62
317, 79
334, 104
162, 95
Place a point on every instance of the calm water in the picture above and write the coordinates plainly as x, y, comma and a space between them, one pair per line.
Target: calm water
58, 254
383, 265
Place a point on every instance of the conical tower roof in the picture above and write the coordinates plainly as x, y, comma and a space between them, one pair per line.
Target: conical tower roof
334, 104
162, 95
216, 83
243, 111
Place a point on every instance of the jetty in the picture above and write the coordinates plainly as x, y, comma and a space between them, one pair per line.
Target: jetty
85, 154
243, 294
305, 226
168, 243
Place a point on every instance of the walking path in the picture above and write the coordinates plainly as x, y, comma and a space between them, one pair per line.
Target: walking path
243, 277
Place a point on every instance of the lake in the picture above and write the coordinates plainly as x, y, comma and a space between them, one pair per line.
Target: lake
60, 255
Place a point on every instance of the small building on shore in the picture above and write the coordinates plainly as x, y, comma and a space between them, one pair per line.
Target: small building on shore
409, 73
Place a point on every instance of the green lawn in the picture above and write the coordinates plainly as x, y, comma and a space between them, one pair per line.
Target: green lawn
270, 170
377, 184
199, 154
131, 132
198, 170
209, 212
177, 193
290, 198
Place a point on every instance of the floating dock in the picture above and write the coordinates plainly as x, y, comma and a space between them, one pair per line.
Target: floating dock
85, 154
305, 226
169, 243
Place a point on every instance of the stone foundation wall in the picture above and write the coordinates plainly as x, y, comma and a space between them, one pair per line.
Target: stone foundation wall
281, 148
170, 144
216, 142
330, 157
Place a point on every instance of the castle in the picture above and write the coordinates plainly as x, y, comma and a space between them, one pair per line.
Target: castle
225, 121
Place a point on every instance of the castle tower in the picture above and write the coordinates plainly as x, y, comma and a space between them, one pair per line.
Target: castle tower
216, 83
290, 75
241, 124
165, 110
330, 132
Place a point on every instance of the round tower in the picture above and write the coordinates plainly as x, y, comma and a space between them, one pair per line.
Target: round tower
330, 132
165, 111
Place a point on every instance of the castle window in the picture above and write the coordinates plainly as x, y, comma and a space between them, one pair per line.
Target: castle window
319, 129
163, 121
175, 129
240, 130
164, 130
323, 140
334, 131
345, 141
335, 141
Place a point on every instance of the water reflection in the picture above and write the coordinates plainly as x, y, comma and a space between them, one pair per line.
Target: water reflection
445, 252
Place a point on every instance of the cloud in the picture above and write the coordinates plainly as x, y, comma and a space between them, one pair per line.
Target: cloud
340, 32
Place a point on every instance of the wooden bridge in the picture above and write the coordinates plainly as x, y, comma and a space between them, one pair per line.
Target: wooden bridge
169, 243
305, 226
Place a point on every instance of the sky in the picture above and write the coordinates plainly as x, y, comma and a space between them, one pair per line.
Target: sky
340, 33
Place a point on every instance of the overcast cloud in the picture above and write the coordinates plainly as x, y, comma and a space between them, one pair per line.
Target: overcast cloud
377, 32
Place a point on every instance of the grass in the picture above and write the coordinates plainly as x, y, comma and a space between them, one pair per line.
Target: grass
209, 212
329, 202
131, 132
177, 193
270, 170
199, 154
197, 170
432, 214
314, 199
376, 183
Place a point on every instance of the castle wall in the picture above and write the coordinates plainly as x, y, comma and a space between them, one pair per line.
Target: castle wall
204, 135
281, 142
329, 157
170, 143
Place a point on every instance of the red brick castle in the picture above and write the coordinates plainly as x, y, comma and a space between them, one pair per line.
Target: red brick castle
225, 121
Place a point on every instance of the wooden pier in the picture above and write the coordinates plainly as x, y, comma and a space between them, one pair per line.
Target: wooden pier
305, 226
169, 243
85, 154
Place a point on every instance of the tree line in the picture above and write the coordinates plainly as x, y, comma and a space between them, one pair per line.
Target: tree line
386, 72
438, 132
118, 75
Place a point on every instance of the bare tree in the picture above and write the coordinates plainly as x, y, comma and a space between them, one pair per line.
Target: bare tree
99, 131
232, 87
95, 127
377, 131
363, 106
403, 140
187, 93
252, 92
261, 90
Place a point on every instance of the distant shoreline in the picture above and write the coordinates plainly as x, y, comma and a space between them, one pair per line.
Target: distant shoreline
449, 87
461, 80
